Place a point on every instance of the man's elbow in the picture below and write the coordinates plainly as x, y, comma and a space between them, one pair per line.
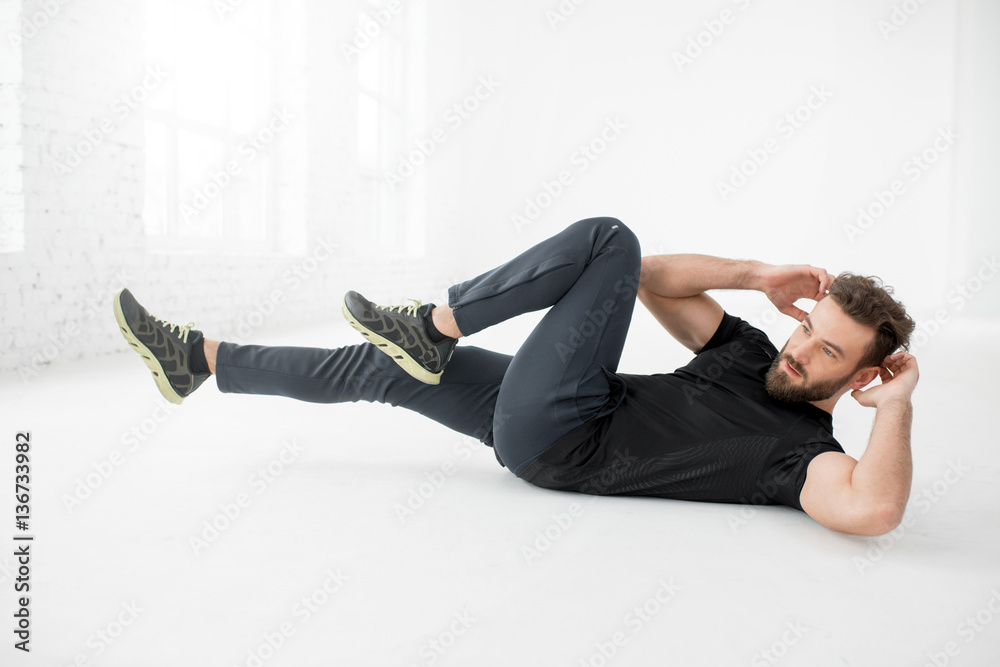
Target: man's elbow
880, 520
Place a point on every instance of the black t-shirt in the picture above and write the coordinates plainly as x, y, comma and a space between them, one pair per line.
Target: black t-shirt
709, 431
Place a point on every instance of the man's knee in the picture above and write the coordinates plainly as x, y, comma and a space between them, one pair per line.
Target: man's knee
594, 225
620, 236
608, 231
626, 238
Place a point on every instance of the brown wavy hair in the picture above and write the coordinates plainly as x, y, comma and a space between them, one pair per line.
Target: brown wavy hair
868, 301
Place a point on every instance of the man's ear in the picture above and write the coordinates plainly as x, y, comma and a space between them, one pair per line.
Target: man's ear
864, 377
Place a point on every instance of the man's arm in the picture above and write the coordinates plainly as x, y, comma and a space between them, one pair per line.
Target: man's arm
672, 288
868, 496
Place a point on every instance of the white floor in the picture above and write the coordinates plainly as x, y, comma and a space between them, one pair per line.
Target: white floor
488, 570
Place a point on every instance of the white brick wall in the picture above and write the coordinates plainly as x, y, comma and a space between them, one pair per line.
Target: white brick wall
11, 149
83, 231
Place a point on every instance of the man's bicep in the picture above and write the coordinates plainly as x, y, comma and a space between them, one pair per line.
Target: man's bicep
692, 320
829, 497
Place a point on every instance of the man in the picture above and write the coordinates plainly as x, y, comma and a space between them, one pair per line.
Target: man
742, 422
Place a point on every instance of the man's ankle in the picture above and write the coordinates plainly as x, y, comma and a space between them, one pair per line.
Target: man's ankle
211, 352
444, 321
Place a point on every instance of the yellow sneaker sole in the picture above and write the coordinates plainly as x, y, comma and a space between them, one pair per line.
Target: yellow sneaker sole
147, 357
395, 352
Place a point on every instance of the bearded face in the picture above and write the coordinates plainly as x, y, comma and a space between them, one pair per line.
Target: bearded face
787, 381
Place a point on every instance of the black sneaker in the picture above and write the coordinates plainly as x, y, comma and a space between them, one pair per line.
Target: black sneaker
163, 346
400, 332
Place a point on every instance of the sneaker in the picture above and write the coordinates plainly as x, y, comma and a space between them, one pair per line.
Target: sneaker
400, 332
163, 346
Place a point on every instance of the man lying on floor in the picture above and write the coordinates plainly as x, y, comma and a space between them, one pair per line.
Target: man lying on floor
742, 422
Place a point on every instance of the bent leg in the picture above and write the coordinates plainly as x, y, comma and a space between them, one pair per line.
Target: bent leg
464, 401
537, 278
563, 375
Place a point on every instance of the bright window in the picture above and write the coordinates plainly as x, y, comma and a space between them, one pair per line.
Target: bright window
209, 126
385, 116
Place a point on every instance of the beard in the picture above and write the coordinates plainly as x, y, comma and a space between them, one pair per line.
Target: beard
779, 384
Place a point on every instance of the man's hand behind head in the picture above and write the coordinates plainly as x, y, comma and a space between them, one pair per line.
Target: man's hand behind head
899, 375
787, 283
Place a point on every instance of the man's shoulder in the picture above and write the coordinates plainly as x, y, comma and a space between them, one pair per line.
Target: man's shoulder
734, 330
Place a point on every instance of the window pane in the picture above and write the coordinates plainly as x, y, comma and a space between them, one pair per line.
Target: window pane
202, 64
369, 61
249, 57
218, 90
159, 38
391, 137
249, 200
367, 210
154, 211
200, 199
388, 236
159, 30
250, 88
368, 132
392, 74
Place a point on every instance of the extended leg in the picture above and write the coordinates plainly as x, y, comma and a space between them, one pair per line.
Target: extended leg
181, 359
464, 400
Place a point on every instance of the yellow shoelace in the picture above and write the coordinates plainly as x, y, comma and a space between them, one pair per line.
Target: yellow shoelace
411, 310
170, 326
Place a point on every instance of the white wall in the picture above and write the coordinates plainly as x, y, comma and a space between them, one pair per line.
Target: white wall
83, 231
976, 220
684, 129
892, 91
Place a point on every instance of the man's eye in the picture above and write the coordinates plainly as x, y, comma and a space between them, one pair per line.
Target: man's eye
805, 328
827, 350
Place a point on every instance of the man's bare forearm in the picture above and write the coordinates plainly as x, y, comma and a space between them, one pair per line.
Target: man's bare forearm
885, 470
681, 276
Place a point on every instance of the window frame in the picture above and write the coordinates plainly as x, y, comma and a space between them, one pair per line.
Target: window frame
230, 239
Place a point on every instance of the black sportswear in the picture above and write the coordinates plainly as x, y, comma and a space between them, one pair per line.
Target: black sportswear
708, 431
